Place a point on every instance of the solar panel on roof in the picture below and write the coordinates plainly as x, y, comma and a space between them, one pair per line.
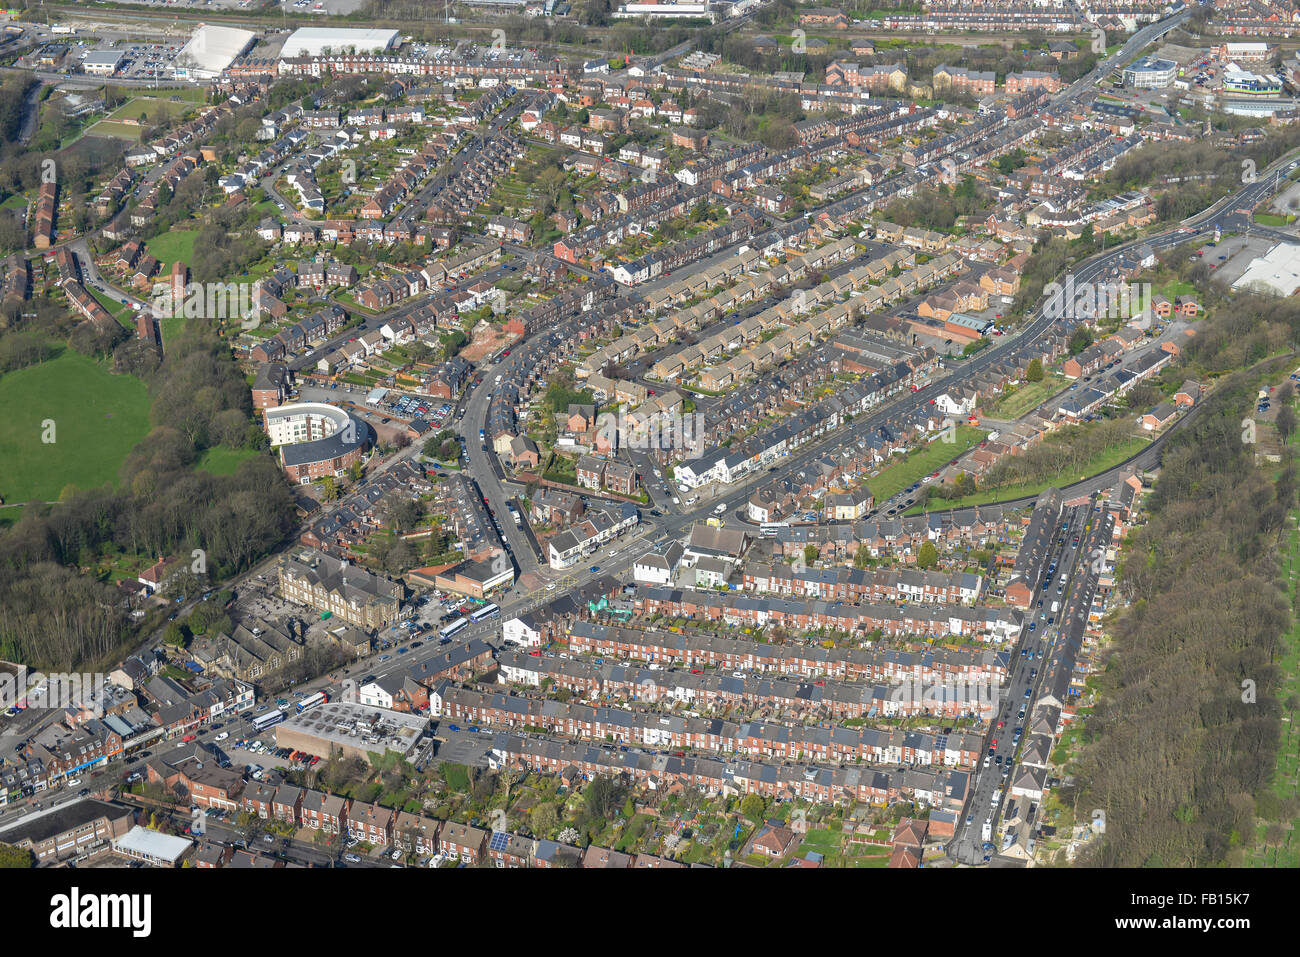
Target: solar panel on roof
499, 841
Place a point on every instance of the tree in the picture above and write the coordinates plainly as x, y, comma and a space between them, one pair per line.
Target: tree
1035, 371
753, 807
1080, 340
862, 557
329, 488
810, 554
1286, 422
927, 557
174, 635
604, 797
545, 818
16, 857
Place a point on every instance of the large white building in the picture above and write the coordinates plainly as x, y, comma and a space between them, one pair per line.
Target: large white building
210, 50
314, 41
315, 439
1150, 73
1277, 271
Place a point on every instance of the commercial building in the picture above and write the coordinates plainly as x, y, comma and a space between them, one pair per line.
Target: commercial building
357, 730
1239, 82
102, 62
153, 847
210, 50
1277, 271
1150, 73
69, 829
315, 41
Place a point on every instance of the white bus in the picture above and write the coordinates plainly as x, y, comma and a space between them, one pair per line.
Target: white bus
771, 529
312, 701
271, 718
454, 627
487, 611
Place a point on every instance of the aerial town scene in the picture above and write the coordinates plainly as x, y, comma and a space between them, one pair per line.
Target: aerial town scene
651, 434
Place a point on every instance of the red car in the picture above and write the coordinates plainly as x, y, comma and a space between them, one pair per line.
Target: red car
993, 743
188, 738
696, 671
1001, 725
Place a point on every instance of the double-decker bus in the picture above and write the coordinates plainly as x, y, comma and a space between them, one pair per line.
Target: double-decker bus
312, 701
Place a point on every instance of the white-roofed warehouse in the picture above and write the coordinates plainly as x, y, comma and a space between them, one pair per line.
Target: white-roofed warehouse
313, 41
211, 50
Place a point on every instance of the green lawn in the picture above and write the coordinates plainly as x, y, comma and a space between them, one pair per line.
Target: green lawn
141, 105
169, 247
169, 327
98, 417
921, 462
223, 461
989, 496
123, 314
121, 131
1272, 219
1027, 397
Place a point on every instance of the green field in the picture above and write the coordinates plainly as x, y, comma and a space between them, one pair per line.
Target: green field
141, 105
98, 418
894, 478
223, 461
1273, 219
123, 314
1006, 493
175, 245
1027, 397
121, 131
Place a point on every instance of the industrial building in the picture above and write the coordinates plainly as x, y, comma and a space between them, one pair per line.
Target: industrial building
1277, 271
314, 41
210, 50
356, 730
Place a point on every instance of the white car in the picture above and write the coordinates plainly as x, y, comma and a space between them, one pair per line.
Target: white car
222, 736
352, 858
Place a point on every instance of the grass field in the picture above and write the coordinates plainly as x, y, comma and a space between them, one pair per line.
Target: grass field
123, 314
169, 247
97, 417
1272, 219
894, 478
223, 461
120, 131
1028, 396
1005, 494
141, 105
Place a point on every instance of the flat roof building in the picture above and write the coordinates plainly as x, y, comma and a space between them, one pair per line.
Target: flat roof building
358, 730
153, 847
210, 50
314, 41
68, 829
1150, 73
102, 62
1277, 271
